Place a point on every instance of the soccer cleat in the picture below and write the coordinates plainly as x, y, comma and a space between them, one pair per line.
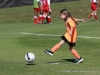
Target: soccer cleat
50, 22
49, 52
97, 20
78, 60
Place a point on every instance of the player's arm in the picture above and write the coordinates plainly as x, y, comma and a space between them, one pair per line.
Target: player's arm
49, 4
80, 20
38, 1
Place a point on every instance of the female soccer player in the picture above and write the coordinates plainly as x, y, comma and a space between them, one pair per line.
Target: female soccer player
94, 10
45, 9
69, 37
36, 9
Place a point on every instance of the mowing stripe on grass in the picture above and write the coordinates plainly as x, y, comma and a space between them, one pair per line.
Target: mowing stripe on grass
26, 33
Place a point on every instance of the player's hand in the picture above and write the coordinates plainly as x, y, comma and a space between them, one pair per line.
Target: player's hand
83, 20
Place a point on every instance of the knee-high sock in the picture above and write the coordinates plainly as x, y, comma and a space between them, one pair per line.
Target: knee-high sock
43, 17
39, 18
35, 19
95, 17
49, 19
90, 16
75, 53
56, 47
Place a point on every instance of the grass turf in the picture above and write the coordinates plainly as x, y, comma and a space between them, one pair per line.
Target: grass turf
15, 42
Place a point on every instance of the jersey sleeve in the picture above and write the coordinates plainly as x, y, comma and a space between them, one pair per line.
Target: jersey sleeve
71, 23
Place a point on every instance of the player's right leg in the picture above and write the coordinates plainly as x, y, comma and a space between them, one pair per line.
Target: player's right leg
54, 48
76, 55
35, 16
48, 18
90, 15
36, 11
95, 15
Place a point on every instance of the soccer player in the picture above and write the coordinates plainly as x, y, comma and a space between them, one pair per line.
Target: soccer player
69, 37
36, 9
94, 10
45, 9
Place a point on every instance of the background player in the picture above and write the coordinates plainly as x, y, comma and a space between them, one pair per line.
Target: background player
45, 9
36, 9
94, 10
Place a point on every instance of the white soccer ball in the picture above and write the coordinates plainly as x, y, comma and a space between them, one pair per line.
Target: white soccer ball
29, 57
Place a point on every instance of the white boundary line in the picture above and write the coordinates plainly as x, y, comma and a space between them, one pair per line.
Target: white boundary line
26, 33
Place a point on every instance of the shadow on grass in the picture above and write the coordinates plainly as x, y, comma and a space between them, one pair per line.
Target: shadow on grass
30, 64
69, 60
93, 20
62, 60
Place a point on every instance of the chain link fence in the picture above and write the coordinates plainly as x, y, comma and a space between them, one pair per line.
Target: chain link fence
14, 3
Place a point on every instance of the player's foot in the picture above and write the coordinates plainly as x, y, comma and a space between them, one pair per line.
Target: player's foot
97, 20
78, 60
50, 22
49, 52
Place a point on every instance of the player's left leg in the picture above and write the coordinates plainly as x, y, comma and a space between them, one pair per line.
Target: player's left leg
44, 16
36, 11
54, 48
76, 55
40, 18
48, 18
90, 15
95, 15
35, 16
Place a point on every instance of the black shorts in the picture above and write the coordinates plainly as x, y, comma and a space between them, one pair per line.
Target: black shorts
69, 43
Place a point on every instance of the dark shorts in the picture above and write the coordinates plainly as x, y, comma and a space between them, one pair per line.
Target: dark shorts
69, 43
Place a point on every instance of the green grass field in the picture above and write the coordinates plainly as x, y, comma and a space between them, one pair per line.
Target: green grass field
18, 36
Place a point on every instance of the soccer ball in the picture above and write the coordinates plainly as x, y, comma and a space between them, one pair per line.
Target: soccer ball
29, 57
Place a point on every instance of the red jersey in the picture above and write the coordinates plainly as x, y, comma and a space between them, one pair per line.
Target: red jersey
45, 4
93, 5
